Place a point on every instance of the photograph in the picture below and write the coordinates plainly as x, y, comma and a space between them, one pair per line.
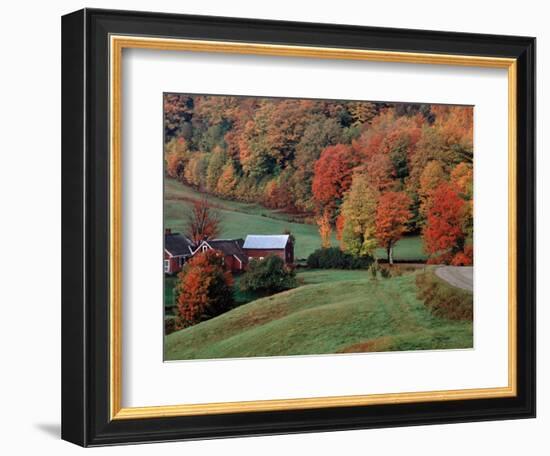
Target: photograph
310, 187
297, 226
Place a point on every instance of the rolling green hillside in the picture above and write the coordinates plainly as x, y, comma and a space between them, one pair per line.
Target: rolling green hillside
240, 219
346, 312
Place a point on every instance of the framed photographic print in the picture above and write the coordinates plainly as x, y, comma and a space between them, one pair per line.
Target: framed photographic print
277, 227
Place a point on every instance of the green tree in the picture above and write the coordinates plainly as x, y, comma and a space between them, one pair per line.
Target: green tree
213, 137
399, 159
334, 258
218, 158
269, 275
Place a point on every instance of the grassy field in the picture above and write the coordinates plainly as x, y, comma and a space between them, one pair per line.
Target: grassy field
318, 276
169, 284
240, 219
304, 276
333, 312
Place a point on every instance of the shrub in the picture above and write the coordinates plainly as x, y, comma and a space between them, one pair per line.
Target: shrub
465, 258
374, 270
334, 258
170, 325
443, 300
268, 276
460, 258
204, 289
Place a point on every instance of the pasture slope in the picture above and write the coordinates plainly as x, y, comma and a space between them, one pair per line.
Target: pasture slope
332, 312
240, 219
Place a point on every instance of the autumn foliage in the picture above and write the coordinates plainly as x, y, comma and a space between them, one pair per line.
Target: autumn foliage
391, 218
356, 222
337, 164
333, 176
445, 234
203, 289
325, 229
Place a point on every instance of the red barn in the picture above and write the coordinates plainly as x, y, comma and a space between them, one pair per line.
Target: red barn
260, 246
177, 250
235, 259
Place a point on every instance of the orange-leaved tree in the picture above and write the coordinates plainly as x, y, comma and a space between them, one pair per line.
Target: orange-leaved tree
325, 229
392, 216
202, 222
176, 157
203, 289
227, 181
432, 176
444, 234
462, 178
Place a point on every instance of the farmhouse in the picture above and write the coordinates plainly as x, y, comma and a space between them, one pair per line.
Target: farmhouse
177, 250
237, 253
260, 246
235, 258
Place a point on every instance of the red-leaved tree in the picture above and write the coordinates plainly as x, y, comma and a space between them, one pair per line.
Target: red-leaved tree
333, 175
392, 215
444, 234
203, 289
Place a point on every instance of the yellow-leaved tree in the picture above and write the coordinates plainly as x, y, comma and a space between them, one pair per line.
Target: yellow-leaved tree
359, 214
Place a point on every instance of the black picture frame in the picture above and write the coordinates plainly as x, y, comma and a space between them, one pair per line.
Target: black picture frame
85, 225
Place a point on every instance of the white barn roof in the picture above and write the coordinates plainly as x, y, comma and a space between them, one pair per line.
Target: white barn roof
272, 241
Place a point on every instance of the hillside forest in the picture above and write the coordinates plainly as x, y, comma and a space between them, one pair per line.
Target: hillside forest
368, 172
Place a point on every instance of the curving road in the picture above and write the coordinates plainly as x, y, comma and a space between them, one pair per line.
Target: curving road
457, 276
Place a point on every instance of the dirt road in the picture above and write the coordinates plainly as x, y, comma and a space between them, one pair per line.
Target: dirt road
457, 276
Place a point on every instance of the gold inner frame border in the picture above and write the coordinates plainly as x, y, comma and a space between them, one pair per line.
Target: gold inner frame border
116, 46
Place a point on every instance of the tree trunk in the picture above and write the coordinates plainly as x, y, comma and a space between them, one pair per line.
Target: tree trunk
390, 254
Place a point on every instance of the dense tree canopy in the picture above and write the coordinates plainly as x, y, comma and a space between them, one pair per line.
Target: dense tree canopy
333, 162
